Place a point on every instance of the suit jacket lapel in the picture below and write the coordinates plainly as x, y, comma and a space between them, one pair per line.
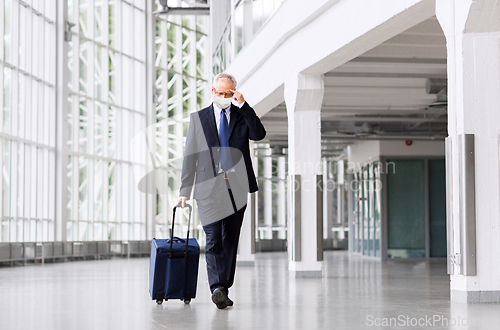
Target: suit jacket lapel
210, 116
235, 113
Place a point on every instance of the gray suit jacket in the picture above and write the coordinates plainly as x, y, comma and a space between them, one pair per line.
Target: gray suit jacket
202, 152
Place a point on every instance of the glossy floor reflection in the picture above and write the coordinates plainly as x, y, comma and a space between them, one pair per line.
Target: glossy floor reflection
355, 293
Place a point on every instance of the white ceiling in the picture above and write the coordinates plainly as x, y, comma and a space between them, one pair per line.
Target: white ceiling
386, 85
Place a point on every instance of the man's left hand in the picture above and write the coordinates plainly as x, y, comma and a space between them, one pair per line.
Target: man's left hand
238, 96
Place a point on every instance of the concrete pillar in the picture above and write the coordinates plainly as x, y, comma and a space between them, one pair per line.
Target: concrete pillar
328, 185
472, 31
340, 198
303, 97
268, 195
281, 198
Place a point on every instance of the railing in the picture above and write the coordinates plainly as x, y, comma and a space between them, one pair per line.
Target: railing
11, 253
228, 45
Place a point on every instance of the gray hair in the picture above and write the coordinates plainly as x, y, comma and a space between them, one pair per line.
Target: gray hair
225, 76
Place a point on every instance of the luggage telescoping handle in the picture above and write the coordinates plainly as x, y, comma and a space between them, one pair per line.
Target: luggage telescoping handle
182, 254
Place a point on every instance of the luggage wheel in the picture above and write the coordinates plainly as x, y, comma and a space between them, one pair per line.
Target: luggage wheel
187, 297
159, 298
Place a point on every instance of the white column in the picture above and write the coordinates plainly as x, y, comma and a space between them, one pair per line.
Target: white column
303, 97
472, 31
340, 198
281, 198
150, 112
268, 195
61, 208
328, 187
246, 250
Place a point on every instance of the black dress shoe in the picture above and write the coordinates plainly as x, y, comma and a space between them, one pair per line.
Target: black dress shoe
219, 298
229, 302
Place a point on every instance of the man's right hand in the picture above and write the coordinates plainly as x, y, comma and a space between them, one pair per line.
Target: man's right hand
182, 201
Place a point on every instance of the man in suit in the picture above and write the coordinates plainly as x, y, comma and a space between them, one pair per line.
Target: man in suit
217, 160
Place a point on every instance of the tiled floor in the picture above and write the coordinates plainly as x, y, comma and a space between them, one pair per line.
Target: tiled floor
355, 293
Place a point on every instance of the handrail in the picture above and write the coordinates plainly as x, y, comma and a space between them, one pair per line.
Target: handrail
66, 251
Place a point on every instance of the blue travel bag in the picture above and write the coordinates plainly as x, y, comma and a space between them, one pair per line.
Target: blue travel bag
173, 266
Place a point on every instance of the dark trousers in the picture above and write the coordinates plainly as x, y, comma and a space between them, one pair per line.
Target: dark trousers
221, 249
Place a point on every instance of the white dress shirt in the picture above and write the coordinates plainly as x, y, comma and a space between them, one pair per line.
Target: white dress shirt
217, 111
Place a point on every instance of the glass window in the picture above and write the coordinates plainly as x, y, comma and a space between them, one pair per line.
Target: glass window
113, 33
126, 133
21, 109
100, 67
50, 53
50, 10
20, 183
105, 108
28, 93
111, 132
24, 25
70, 190
83, 202
100, 21
139, 87
127, 82
37, 46
180, 84
125, 191
83, 17
44, 182
233, 38
127, 31
47, 118
83, 122
84, 65
6, 155
257, 15
98, 190
112, 191
238, 22
31, 168
7, 37
7, 99
39, 168
98, 129
139, 30
112, 75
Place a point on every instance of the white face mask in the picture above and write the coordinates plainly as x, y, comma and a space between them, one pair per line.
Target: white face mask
222, 102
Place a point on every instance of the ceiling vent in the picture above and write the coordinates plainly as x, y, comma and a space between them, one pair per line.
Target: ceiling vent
440, 88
